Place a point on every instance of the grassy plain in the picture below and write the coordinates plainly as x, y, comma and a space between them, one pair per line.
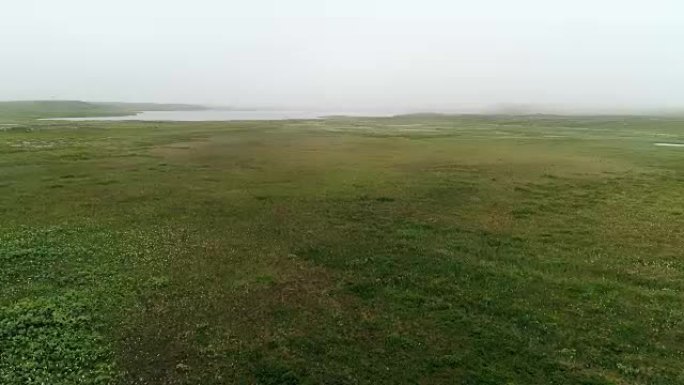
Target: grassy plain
17, 111
410, 250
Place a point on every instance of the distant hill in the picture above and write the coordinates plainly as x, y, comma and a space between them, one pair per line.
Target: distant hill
37, 109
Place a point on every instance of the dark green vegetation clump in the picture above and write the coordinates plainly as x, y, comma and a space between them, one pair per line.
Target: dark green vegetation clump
422, 249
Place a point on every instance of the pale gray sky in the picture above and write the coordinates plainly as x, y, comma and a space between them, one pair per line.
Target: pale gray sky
428, 54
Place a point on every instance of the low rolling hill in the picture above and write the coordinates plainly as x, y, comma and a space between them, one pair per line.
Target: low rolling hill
37, 109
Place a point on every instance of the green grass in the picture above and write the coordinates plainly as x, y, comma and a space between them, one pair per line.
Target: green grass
423, 249
20, 111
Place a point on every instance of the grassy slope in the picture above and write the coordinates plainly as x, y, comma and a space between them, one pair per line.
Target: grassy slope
406, 250
23, 110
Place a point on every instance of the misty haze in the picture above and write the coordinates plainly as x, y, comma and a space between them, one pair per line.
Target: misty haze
341, 192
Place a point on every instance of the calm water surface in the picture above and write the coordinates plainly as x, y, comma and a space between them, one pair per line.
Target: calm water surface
223, 115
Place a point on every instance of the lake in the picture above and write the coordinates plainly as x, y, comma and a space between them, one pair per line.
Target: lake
224, 115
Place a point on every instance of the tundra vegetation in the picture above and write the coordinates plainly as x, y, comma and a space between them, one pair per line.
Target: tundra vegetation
417, 249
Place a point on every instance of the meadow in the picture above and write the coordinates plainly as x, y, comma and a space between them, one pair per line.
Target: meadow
410, 250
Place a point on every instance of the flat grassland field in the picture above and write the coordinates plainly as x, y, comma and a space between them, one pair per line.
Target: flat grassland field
408, 250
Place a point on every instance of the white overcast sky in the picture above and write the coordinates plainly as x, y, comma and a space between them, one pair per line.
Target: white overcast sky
428, 54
